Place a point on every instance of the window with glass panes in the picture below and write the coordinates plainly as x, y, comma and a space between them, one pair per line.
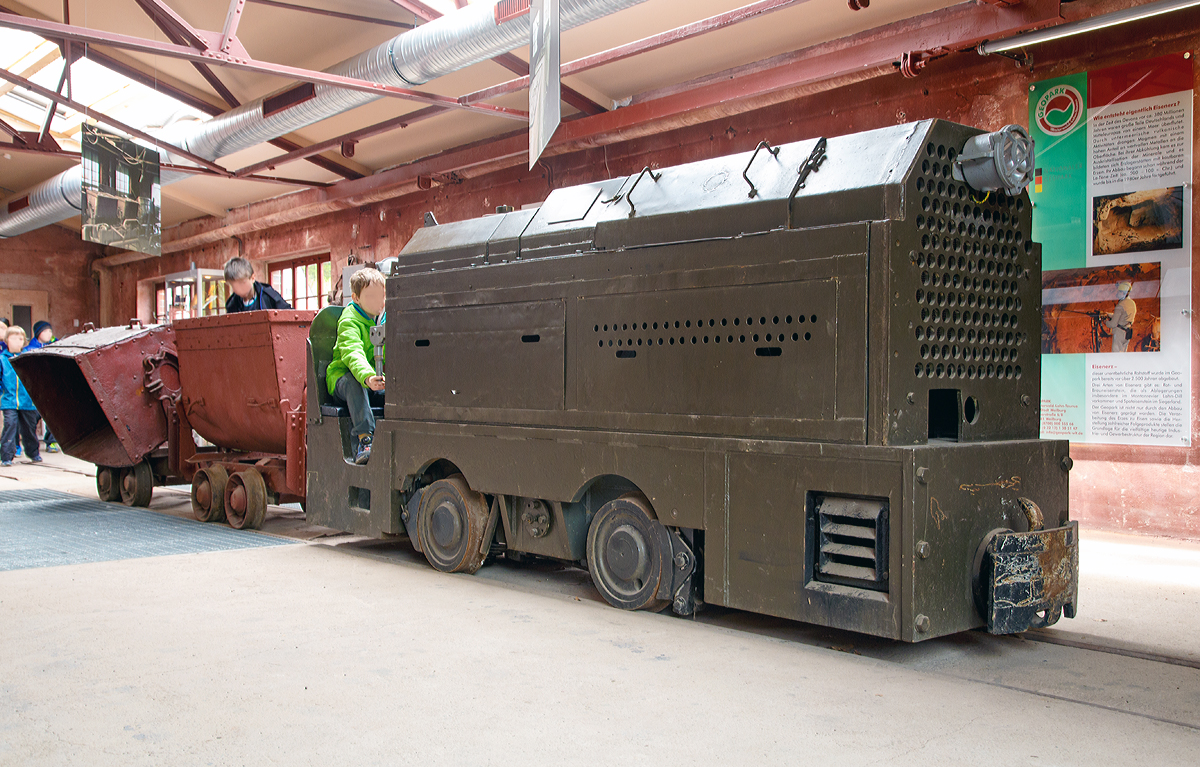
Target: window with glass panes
303, 282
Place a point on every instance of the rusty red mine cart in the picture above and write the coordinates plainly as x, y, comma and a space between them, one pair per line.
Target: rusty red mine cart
242, 385
109, 396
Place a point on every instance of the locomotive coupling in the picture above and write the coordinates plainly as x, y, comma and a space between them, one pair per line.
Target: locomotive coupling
1030, 579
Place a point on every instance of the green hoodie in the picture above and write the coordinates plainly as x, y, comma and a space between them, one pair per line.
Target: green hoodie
353, 352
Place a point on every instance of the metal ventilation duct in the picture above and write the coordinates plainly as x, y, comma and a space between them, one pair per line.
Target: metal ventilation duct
26, 211
454, 41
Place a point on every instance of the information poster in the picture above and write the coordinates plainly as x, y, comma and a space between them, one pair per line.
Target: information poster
1112, 198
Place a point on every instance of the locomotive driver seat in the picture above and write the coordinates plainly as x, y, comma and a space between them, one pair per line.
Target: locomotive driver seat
322, 337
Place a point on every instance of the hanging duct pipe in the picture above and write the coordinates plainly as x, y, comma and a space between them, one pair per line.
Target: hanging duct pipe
459, 39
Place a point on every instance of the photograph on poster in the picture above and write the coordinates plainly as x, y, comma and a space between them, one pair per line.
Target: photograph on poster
1100, 310
1136, 222
122, 201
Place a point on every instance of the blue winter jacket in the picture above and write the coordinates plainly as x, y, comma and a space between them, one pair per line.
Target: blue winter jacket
12, 392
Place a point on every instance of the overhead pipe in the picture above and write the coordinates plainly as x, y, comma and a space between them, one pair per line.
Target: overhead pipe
1072, 28
459, 39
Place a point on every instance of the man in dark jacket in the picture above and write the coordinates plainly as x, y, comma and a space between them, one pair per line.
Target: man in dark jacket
248, 293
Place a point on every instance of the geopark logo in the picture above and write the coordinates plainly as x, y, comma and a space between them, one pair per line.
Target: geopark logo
1059, 110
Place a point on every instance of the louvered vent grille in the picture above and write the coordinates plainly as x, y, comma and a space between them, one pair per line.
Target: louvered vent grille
851, 541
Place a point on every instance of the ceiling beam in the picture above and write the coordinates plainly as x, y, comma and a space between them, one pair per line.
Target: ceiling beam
358, 135
509, 61
794, 75
232, 19
645, 45
105, 119
189, 169
174, 25
95, 37
418, 9
174, 29
332, 14
201, 105
13, 132
52, 55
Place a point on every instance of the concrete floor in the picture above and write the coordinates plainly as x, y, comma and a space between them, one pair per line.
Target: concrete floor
338, 650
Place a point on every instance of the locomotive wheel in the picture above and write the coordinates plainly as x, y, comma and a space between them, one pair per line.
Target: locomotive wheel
108, 483
208, 494
137, 485
451, 524
628, 554
246, 500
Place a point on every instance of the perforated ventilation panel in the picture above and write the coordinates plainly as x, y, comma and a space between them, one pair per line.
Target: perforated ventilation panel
971, 264
966, 301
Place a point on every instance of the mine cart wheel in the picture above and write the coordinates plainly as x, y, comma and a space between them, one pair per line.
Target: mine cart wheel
208, 494
246, 500
108, 483
451, 524
628, 554
137, 485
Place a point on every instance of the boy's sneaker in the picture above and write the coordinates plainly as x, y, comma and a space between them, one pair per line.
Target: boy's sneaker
52, 447
362, 451
36, 459
6, 464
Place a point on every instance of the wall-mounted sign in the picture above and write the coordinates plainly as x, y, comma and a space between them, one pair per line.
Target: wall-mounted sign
545, 88
1112, 200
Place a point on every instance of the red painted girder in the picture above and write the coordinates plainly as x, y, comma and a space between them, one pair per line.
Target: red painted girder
301, 153
11, 131
189, 169
418, 9
654, 42
51, 29
103, 118
232, 19
177, 34
858, 57
959, 27
173, 24
510, 62
209, 109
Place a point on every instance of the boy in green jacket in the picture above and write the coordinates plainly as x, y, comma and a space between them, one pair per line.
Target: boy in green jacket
353, 376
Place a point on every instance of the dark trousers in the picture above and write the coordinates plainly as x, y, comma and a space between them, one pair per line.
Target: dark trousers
359, 399
24, 423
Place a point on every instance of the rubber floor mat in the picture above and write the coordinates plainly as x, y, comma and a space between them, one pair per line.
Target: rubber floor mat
45, 528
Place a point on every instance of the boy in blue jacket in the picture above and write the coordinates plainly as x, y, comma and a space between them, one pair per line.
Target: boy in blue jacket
43, 335
19, 414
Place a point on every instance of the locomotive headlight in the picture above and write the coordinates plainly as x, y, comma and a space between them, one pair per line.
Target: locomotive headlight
999, 160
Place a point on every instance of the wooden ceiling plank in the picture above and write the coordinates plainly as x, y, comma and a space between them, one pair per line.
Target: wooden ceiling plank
332, 14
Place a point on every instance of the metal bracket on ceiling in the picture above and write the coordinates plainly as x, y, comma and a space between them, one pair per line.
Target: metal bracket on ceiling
911, 63
1023, 59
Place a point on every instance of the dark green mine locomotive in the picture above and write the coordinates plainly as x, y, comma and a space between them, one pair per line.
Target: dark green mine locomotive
800, 381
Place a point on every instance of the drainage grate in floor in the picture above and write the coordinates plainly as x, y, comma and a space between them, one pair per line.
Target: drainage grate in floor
45, 528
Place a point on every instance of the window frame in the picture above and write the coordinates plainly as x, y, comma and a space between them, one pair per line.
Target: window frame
286, 270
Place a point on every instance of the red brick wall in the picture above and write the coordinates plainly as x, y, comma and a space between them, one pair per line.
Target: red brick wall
56, 261
1137, 489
